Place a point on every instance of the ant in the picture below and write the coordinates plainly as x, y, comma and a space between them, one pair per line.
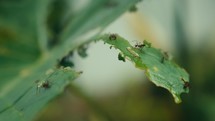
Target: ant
186, 84
142, 44
112, 37
139, 45
165, 57
43, 84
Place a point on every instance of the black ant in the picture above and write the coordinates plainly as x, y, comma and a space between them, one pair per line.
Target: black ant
186, 84
139, 45
46, 85
121, 57
142, 44
112, 37
42, 84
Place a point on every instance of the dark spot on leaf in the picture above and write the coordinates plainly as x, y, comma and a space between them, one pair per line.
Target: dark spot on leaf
120, 57
162, 59
139, 45
112, 37
186, 84
133, 8
66, 61
82, 50
46, 85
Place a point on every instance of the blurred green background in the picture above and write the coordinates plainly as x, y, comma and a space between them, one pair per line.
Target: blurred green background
184, 28
110, 90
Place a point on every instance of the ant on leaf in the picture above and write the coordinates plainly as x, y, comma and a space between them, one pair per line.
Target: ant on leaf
186, 84
43, 84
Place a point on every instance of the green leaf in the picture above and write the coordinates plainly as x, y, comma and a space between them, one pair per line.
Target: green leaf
96, 16
160, 69
29, 102
18, 36
32, 41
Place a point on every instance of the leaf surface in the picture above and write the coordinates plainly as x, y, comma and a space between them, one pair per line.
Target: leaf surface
29, 47
36, 96
160, 69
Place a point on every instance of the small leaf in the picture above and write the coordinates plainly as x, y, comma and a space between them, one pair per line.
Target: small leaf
165, 74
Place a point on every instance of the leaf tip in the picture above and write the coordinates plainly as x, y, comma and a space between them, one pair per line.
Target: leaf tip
177, 98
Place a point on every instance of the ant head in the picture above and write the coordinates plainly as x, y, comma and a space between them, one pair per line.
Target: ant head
46, 84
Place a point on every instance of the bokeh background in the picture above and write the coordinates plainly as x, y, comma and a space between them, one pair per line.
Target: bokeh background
111, 90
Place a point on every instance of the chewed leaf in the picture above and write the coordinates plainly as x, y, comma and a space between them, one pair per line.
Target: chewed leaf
159, 68
35, 35
26, 105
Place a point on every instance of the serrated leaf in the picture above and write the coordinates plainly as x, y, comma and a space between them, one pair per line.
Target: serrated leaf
158, 68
